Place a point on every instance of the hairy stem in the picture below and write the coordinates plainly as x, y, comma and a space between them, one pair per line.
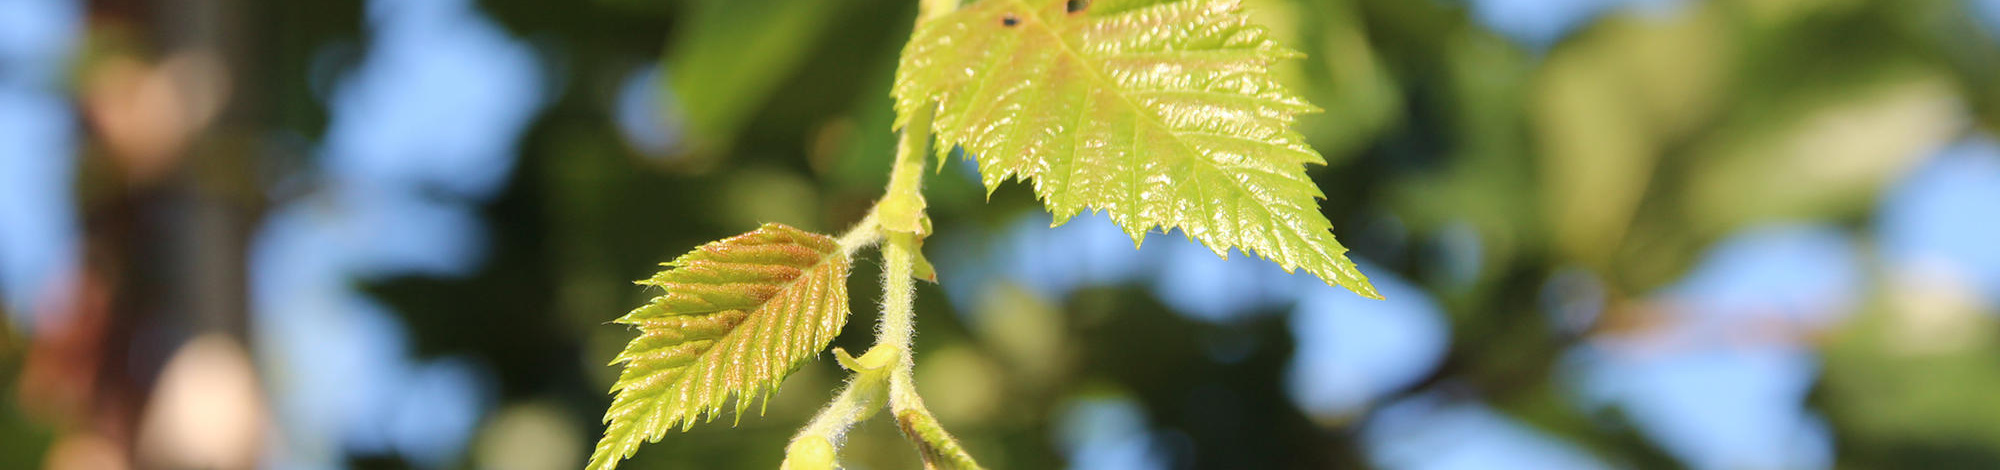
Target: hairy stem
899, 254
937, 447
898, 221
814, 446
862, 235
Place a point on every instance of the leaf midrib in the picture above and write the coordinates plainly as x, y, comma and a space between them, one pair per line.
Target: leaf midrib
758, 315
1091, 68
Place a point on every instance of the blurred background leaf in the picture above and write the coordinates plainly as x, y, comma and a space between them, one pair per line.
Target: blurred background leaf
1612, 234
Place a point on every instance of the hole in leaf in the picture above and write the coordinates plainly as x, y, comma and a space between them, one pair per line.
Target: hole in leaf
1009, 20
1078, 5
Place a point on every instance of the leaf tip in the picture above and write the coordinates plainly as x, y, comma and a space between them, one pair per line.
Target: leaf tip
775, 271
1355, 282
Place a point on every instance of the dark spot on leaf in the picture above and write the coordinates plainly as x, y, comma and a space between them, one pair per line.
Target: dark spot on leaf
1009, 20
1078, 5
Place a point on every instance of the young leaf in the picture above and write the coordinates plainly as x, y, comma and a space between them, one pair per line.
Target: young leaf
737, 316
1160, 114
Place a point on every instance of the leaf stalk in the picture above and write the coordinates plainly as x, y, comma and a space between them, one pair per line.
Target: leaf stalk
898, 223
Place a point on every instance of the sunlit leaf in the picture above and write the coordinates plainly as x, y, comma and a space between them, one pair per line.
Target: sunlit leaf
737, 316
1160, 114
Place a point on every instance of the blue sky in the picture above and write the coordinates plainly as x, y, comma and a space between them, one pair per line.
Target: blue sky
425, 128
1946, 215
1709, 389
38, 226
1719, 386
1430, 433
1540, 23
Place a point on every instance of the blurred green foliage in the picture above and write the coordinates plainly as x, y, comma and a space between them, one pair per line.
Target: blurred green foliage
1624, 149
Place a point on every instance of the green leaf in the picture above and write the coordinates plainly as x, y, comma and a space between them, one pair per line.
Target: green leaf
1159, 114
737, 316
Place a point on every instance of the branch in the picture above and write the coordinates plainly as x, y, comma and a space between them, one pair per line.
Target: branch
899, 222
814, 447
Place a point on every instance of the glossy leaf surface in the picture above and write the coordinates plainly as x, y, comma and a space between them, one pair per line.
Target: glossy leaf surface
1160, 114
737, 316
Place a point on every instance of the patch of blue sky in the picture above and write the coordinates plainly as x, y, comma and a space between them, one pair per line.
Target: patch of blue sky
38, 223
1720, 408
442, 404
36, 38
397, 231
1197, 283
296, 250
1426, 432
425, 128
1107, 433
437, 102
1946, 216
39, 233
1087, 250
1722, 382
1353, 351
1799, 273
964, 266
345, 382
337, 353
373, 234
645, 111
1988, 14
1541, 23
1090, 250
38, 226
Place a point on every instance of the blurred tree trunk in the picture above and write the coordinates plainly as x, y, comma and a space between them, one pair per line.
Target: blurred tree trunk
166, 226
